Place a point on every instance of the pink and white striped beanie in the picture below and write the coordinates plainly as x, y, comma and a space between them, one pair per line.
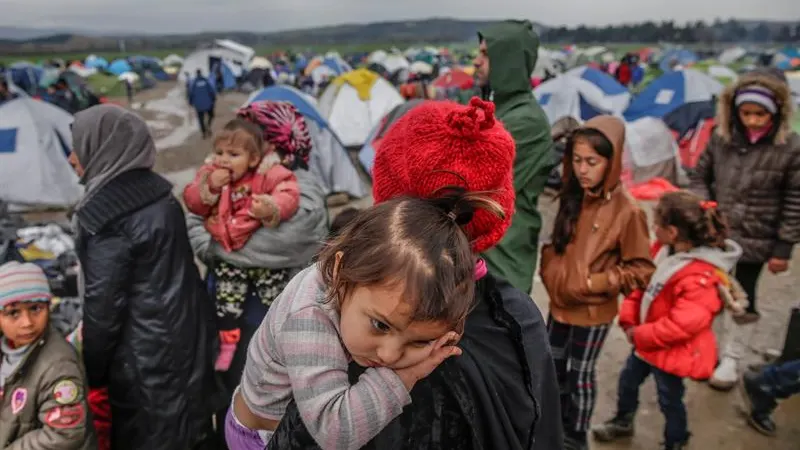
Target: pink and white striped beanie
22, 283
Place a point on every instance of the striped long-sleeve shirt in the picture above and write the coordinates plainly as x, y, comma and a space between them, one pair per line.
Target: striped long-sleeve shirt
297, 352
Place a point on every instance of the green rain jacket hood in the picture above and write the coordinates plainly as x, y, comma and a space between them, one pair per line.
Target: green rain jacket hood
513, 48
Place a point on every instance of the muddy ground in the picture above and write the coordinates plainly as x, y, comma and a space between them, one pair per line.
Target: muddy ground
715, 418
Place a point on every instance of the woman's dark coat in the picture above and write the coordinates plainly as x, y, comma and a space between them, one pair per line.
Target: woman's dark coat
148, 324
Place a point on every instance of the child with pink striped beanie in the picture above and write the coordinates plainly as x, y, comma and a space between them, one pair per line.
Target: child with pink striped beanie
42, 386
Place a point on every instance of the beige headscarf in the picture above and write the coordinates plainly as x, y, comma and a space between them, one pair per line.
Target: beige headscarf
108, 141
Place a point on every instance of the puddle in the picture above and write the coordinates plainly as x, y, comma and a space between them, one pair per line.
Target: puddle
172, 105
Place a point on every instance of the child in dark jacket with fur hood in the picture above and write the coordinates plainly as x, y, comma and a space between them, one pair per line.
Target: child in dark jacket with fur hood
752, 169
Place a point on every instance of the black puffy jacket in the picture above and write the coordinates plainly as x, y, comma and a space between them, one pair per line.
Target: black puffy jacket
500, 394
148, 327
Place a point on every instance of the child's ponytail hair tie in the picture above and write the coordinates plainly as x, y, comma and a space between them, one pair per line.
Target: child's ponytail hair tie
708, 205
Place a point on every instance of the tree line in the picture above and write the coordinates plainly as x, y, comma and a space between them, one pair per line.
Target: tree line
668, 31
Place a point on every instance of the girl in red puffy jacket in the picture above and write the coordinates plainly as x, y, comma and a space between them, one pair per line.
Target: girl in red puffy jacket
669, 324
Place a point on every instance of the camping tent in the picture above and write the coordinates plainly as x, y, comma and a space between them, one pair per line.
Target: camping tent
682, 99
367, 153
581, 93
95, 62
652, 151
723, 73
26, 76
204, 59
240, 52
680, 57
355, 102
173, 60
330, 162
546, 64
34, 142
120, 66
731, 55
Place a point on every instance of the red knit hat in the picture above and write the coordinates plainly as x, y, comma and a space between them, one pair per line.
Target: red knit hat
441, 144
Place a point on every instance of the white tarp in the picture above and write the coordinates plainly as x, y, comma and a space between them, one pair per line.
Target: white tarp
34, 170
245, 53
651, 151
732, 55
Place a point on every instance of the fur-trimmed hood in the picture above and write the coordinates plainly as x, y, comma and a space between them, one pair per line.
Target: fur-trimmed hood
726, 109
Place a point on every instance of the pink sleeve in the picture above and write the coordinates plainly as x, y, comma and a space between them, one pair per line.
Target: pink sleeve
281, 185
338, 415
198, 196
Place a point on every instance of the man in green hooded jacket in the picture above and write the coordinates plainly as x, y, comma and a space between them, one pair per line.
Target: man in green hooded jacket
506, 58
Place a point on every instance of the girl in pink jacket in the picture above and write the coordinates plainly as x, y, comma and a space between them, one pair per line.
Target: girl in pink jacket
244, 186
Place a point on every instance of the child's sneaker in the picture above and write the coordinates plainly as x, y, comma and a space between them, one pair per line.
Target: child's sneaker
620, 426
760, 405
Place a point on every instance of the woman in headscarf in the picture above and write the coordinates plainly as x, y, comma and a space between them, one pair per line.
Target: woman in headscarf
148, 326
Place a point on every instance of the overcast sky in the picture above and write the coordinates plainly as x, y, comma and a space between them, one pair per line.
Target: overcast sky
179, 16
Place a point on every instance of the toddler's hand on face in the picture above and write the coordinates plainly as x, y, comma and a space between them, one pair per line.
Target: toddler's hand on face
219, 178
443, 348
260, 208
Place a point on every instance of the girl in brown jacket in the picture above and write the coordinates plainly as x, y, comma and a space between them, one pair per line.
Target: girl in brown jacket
600, 249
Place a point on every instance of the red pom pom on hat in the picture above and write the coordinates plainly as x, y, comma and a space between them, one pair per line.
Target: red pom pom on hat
439, 144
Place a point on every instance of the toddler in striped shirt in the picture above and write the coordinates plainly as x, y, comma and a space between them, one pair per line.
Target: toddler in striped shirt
390, 293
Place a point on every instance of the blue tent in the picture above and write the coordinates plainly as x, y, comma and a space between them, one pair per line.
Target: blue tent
119, 66
26, 76
608, 84
338, 65
301, 101
95, 62
582, 93
679, 56
680, 98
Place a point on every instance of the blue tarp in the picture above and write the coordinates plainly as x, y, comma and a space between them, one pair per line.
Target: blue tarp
680, 98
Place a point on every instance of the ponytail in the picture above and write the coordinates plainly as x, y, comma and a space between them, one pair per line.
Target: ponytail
698, 222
